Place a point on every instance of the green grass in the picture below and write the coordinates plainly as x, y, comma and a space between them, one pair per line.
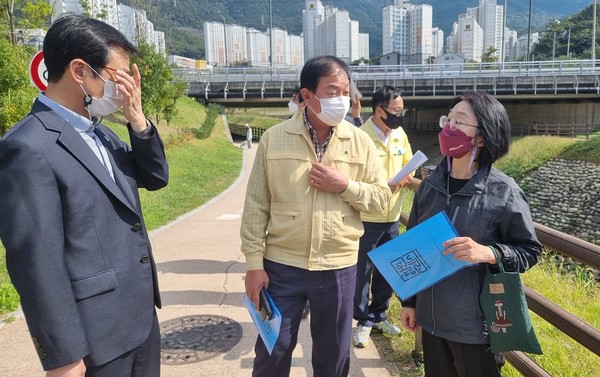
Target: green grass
199, 170
588, 150
530, 152
576, 293
259, 118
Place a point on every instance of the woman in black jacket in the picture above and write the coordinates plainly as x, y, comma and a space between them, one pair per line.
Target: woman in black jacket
491, 214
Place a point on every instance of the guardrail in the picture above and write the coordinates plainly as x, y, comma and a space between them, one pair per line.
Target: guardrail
388, 72
579, 330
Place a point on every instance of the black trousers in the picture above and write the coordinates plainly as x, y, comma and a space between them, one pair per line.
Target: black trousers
142, 361
330, 293
445, 358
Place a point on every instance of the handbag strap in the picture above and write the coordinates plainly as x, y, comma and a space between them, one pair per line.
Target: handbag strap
498, 262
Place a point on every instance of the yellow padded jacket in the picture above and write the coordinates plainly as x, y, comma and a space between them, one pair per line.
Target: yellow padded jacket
392, 158
287, 221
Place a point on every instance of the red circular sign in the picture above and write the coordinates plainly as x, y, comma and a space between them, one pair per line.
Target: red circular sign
38, 71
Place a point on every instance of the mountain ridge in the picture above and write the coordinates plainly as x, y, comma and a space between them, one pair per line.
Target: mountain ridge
179, 17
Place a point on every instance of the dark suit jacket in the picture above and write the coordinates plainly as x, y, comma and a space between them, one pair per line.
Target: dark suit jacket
77, 248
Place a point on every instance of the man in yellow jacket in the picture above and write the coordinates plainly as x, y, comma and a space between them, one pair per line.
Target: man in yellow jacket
312, 176
384, 128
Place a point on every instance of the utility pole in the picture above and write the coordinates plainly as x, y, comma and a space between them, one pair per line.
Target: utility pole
503, 57
224, 37
569, 43
594, 35
553, 45
529, 31
271, 34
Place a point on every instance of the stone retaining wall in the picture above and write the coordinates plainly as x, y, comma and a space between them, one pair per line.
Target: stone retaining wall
565, 195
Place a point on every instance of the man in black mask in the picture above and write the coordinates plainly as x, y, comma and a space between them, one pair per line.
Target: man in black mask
384, 128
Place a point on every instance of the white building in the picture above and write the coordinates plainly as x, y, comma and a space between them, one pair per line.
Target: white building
251, 47
258, 48
237, 50
489, 18
408, 30
468, 39
297, 51
281, 50
437, 40
396, 28
129, 21
214, 44
105, 10
333, 33
312, 15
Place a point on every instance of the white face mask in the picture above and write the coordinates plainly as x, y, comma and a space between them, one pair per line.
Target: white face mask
293, 107
110, 102
333, 110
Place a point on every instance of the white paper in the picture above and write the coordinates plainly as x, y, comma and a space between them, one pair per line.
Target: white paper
417, 160
355, 94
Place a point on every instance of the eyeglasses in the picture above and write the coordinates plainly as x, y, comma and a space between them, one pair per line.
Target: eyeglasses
398, 113
115, 70
454, 123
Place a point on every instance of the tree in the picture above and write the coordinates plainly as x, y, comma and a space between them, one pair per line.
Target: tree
160, 90
89, 11
490, 55
16, 91
24, 15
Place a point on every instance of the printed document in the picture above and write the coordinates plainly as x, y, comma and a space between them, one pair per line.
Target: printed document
414, 260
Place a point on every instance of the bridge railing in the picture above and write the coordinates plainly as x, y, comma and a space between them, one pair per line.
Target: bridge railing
577, 329
409, 71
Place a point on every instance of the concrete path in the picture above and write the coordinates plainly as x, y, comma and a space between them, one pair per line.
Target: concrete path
201, 272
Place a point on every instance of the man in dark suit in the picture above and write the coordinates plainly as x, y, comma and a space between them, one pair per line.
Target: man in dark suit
77, 247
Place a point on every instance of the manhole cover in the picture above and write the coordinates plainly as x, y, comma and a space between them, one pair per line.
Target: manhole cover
186, 340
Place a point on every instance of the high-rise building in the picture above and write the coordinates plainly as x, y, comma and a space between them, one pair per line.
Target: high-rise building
214, 43
258, 48
105, 10
408, 31
333, 33
247, 46
437, 40
490, 18
312, 15
297, 51
469, 38
129, 21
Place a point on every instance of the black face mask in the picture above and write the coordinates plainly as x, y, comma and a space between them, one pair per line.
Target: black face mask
393, 121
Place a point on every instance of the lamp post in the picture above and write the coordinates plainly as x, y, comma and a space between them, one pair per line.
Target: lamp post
553, 45
594, 34
569, 42
224, 36
529, 31
502, 58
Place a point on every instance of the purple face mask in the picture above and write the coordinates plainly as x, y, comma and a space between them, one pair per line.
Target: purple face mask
454, 144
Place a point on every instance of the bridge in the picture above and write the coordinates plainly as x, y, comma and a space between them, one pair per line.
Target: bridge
512, 81
534, 93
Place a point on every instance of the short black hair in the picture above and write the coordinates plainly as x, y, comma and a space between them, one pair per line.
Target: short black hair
383, 95
494, 125
296, 91
320, 66
73, 36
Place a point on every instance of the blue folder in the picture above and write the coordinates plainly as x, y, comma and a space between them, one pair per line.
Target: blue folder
414, 260
267, 328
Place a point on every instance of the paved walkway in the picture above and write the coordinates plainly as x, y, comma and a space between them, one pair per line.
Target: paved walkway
201, 272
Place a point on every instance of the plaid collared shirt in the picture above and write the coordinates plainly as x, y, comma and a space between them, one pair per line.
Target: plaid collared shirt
319, 148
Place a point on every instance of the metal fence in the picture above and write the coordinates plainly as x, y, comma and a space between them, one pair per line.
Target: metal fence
409, 71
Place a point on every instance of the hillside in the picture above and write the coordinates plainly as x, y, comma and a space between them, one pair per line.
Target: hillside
182, 20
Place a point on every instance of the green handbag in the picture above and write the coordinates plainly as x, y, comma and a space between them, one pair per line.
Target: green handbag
505, 309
